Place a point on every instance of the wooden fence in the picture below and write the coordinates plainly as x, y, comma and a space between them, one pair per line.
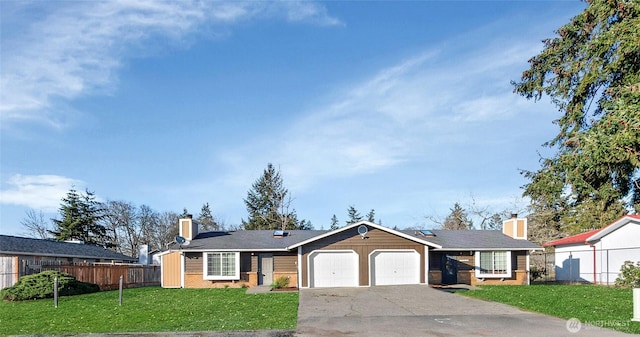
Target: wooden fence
8, 271
105, 275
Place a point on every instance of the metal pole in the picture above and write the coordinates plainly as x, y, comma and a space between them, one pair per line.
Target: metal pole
546, 268
55, 291
608, 268
120, 290
570, 267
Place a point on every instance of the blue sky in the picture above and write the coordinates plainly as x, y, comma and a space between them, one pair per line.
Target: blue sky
401, 107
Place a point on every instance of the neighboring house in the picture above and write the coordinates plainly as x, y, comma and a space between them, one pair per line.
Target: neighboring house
17, 254
596, 256
361, 254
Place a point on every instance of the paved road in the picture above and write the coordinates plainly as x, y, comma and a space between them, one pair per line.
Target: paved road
418, 310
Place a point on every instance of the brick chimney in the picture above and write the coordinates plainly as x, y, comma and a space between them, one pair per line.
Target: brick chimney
515, 227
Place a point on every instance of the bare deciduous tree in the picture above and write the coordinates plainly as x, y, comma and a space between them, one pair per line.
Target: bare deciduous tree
35, 225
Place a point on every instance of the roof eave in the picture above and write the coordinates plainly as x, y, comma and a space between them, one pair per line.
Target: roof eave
66, 255
448, 249
242, 250
610, 228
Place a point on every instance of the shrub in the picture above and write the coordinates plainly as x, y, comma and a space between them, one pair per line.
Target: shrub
629, 275
280, 282
41, 286
536, 272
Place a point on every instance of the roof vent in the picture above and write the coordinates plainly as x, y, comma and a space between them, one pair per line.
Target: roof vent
279, 233
426, 232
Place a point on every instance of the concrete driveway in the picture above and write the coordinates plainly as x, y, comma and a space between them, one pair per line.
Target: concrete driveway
418, 310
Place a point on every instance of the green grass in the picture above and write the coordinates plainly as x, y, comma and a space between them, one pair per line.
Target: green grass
152, 309
607, 307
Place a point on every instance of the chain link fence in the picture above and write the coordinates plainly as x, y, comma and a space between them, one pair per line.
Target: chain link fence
580, 264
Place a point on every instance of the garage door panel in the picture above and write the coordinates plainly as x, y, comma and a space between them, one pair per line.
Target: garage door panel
395, 267
334, 269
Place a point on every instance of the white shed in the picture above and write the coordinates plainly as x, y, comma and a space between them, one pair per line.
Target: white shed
596, 256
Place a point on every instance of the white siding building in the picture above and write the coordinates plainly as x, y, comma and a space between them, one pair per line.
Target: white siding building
597, 256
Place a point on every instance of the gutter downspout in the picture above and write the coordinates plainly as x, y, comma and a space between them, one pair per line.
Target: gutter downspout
594, 262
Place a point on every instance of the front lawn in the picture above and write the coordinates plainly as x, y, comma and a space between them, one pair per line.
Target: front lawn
152, 309
607, 307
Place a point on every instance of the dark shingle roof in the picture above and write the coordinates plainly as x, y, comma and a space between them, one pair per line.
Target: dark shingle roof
248, 240
15, 245
474, 239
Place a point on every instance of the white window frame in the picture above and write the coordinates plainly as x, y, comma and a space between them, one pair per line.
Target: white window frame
480, 274
205, 267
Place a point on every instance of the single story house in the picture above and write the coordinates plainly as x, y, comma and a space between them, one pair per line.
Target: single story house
597, 256
19, 255
361, 254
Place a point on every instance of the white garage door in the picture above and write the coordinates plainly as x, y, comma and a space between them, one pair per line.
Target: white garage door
395, 267
333, 269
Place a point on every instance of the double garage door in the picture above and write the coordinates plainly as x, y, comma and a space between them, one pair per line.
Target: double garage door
342, 268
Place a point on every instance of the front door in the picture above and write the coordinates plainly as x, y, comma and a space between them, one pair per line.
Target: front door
265, 269
449, 270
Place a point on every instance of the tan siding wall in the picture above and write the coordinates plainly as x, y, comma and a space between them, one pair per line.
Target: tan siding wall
185, 228
520, 258
193, 263
466, 269
254, 263
351, 240
171, 270
520, 228
194, 278
508, 227
283, 263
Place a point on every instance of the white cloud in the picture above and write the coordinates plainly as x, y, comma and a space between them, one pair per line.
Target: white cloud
42, 192
75, 48
406, 112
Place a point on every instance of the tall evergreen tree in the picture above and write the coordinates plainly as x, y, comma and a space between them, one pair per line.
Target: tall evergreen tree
591, 72
185, 213
371, 216
354, 215
268, 203
206, 220
457, 219
80, 220
334, 223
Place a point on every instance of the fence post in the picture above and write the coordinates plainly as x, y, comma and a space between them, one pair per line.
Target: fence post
55, 291
120, 302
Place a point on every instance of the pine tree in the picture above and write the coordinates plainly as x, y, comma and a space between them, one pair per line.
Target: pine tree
267, 203
591, 72
185, 213
206, 220
354, 215
81, 215
334, 223
371, 216
457, 219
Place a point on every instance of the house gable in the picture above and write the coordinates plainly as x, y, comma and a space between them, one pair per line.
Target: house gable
618, 230
625, 236
348, 239
353, 227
